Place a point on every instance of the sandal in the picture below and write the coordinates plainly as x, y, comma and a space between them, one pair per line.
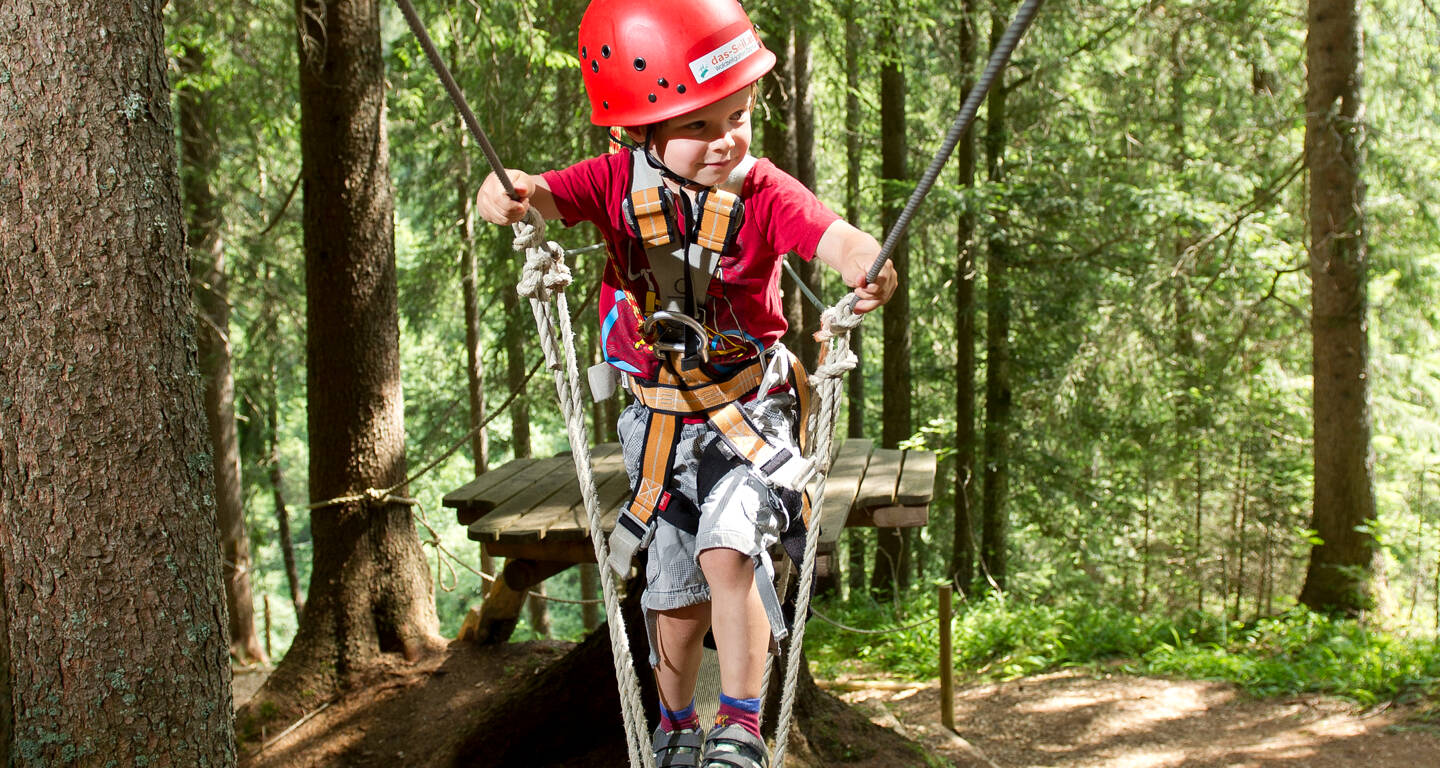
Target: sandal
677, 749
731, 746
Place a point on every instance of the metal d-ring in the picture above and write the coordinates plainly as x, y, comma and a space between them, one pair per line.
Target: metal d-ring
677, 317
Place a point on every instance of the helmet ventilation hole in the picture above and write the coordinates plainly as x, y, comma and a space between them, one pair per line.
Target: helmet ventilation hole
663, 83
652, 98
680, 88
605, 51
639, 64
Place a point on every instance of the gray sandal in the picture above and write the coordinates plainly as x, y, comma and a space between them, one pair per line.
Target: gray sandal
731, 746
677, 749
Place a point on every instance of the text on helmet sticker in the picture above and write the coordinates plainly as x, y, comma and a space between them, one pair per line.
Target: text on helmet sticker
725, 57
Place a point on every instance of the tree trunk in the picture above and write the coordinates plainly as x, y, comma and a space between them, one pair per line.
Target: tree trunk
994, 521
804, 121
518, 325
112, 620
962, 550
199, 162
855, 393
1341, 568
282, 511
890, 558
470, 279
370, 590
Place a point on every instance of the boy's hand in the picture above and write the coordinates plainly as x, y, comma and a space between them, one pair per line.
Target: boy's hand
874, 294
496, 206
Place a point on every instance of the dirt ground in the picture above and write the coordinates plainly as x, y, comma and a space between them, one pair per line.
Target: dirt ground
1071, 719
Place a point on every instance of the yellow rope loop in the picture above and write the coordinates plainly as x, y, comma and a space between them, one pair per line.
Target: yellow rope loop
544, 272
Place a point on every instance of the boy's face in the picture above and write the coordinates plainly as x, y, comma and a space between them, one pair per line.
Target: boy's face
705, 145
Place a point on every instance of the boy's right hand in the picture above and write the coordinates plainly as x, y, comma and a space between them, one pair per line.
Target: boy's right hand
496, 206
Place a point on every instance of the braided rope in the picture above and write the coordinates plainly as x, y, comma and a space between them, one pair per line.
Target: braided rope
543, 280
835, 326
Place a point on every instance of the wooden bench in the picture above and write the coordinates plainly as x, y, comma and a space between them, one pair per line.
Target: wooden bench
531, 512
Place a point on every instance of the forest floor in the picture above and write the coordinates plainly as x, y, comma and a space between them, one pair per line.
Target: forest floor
407, 715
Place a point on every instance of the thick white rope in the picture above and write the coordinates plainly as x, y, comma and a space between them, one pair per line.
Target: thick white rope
543, 281
835, 326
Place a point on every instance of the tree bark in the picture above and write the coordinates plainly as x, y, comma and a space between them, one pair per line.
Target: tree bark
470, 280
962, 550
370, 590
804, 122
855, 393
891, 570
994, 522
199, 163
1341, 568
112, 635
517, 330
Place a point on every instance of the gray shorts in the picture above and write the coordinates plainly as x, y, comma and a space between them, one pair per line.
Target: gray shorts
738, 510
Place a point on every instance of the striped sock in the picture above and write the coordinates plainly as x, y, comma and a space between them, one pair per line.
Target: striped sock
742, 712
684, 718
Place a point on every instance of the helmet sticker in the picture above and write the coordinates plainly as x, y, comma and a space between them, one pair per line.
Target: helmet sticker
725, 57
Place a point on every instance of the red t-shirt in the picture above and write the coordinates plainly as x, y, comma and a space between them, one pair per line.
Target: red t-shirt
743, 308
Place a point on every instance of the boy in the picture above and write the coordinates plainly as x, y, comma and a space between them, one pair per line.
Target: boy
690, 313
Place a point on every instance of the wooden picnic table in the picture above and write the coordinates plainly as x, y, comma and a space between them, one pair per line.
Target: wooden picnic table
531, 512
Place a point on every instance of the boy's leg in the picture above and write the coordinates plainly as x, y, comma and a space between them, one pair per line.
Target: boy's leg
742, 630
679, 632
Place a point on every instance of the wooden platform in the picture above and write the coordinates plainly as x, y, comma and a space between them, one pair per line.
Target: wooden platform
531, 508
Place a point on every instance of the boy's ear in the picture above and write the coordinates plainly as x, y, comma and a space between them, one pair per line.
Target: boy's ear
636, 133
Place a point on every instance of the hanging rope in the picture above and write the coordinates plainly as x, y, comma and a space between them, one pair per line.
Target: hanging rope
543, 281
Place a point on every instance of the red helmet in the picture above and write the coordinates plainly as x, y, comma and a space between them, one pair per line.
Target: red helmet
646, 60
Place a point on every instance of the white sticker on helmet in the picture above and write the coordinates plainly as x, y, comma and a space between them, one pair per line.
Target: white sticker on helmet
725, 57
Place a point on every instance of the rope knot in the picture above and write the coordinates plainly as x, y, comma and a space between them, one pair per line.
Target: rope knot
545, 271
839, 319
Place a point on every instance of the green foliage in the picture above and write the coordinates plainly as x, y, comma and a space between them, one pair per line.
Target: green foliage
1003, 637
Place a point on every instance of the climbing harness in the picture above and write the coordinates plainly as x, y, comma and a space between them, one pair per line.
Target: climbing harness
737, 62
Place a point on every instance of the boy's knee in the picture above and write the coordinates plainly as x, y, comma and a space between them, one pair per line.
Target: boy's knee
724, 563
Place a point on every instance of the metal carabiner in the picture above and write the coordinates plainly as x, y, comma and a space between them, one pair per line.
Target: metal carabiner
661, 315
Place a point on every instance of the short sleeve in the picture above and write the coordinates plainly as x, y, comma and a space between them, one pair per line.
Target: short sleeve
585, 190
790, 216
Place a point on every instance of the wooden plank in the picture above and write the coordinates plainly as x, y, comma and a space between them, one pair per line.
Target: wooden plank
917, 479
901, 517
878, 488
464, 498
841, 485
567, 509
542, 480
580, 551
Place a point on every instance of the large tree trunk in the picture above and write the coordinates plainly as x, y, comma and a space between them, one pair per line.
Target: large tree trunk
112, 612
994, 522
370, 589
855, 393
199, 162
962, 548
1340, 568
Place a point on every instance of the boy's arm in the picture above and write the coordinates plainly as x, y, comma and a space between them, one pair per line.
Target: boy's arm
496, 207
851, 252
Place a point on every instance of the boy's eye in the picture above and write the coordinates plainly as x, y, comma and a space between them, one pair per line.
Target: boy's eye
738, 116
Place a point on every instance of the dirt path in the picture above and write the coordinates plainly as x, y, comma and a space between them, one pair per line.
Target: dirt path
1078, 719
1072, 719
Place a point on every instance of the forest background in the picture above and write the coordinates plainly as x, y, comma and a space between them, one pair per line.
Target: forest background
1142, 430
1142, 186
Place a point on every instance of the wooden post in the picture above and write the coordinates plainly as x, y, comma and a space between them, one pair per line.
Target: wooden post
269, 653
947, 661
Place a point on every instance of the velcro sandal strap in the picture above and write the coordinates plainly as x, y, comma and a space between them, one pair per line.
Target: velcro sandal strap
677, 749
731, 746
